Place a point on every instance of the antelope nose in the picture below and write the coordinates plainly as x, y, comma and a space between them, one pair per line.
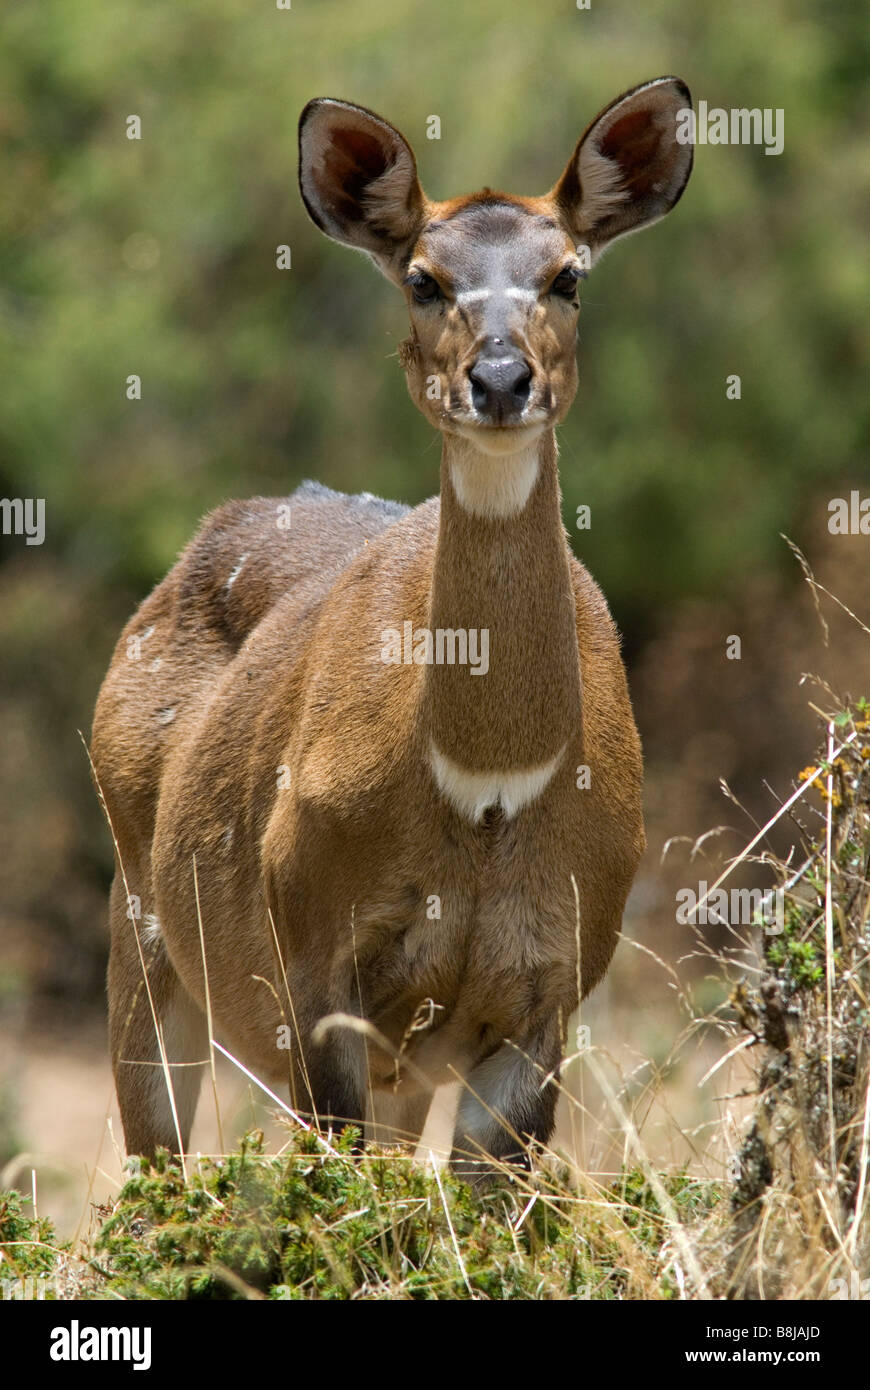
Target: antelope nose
500, 385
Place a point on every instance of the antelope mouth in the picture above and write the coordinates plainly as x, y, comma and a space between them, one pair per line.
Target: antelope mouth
501, 439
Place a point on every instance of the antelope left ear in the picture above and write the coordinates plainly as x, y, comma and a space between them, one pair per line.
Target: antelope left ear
628, 168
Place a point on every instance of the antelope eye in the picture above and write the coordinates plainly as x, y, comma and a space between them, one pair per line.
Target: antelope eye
565, 283
424, 288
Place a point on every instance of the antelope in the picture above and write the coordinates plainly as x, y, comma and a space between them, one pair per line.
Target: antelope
314, 815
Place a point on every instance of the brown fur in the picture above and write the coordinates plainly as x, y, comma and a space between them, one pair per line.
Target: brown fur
263, 657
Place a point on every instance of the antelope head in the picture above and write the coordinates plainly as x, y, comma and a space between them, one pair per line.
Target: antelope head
491, 279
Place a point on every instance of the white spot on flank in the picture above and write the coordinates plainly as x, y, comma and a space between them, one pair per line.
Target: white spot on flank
165, 716
472, 793
151, 930
491, 484
236, 572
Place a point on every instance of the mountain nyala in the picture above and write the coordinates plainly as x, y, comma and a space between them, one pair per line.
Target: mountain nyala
374, 877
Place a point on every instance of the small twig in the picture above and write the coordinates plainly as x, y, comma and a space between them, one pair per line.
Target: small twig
459, 1259
208, 1010
829, 956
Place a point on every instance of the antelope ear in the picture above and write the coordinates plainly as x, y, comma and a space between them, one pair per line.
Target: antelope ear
629, 167
358, 180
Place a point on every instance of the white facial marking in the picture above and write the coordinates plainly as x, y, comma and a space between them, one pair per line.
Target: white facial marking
509, 292
236, 572
472, 793
489, 478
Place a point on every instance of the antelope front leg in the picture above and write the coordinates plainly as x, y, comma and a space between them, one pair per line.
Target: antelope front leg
335, 1081
329, 1080
328, 1075
505, 1102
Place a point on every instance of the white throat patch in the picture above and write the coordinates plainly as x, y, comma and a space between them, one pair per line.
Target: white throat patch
491, 484
473, 793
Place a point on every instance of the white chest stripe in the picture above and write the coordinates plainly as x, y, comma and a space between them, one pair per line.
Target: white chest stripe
472, 793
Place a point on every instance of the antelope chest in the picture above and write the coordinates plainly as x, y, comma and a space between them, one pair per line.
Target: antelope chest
474, 948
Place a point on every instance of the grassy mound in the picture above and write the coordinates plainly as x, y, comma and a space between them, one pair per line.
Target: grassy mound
319, 1222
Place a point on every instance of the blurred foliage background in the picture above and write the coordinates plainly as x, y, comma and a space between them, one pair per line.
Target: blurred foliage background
158, 257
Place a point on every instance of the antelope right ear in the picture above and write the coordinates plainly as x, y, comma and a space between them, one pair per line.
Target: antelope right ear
358, 180
629, 167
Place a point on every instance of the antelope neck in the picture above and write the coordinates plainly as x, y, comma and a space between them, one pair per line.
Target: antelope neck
509, 575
